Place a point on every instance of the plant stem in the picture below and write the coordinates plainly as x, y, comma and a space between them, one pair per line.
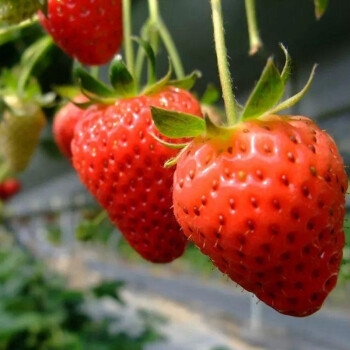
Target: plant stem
224, 72
254, 36
154, 18
127, 28
171, 48
95, 70
100, 217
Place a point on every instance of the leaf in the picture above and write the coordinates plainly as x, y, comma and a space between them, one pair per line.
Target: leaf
88, 83
67, 91
287, 66
320, 7
151, 59
187, 82
214, 129
211, 95
160, 84
121, 79
296, 98
266, 94
109, 289
177, 125
168, 144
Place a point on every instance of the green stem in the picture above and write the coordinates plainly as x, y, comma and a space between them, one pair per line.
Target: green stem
4, 172
95, 70
99, 218
224, 72
254, 36
171, 48
127, 28
154, 18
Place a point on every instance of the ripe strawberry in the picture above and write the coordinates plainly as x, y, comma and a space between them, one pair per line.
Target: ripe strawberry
9, 188
122, 166
266, 204
90, 31
19, 133
64, 125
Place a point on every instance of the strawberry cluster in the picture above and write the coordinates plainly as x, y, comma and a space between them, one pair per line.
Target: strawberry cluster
9, 188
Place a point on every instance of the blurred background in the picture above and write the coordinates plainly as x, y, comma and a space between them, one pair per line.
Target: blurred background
188, 304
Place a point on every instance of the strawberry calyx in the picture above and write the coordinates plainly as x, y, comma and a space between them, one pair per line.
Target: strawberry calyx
122, 82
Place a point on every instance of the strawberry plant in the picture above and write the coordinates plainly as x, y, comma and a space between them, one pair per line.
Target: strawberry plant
263, 195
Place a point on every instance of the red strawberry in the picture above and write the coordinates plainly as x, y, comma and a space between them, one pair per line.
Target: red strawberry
266, 204
9, 188
122, 166
90, 31
64, 125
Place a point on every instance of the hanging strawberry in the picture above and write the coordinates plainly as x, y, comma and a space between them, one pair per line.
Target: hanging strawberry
90, 31
262, 195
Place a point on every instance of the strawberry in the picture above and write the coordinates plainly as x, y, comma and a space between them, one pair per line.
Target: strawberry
19, 132
267, 206
90, 31
122, 166
262, 195
64, 124
9, 188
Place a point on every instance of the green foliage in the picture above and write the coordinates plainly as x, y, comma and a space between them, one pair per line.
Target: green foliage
38, 312
320, 7
16, 11
345, 269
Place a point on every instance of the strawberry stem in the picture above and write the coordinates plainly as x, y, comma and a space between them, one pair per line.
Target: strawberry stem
171, 48
127, 29
95, 70
254, 36
223, 65
154, 18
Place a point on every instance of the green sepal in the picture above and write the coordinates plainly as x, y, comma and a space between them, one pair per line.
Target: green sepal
173, 161
168, 144
287, 66
214, 130
91, 85
266, 94
320, 7
67, 91
296, 98
187, 82
30, 59
121, 79
177, 125
211, 95
82, 105
45, 7
152, 75
159, 85
47, 100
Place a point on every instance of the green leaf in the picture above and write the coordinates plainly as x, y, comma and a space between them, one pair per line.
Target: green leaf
266, 94
67, 91
109, 289
287, 66
320, 7
211, 95
168, 144
214, 129
91, 85
296, 98
177, 125
187, 82
153, 89
152, 77
121, 79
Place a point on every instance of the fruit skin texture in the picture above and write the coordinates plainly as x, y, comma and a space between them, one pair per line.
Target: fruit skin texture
64, 124
90, 31
19, 134
267, 206
122, 166
9, 188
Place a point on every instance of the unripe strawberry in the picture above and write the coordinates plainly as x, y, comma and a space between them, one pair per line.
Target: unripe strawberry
20, 132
